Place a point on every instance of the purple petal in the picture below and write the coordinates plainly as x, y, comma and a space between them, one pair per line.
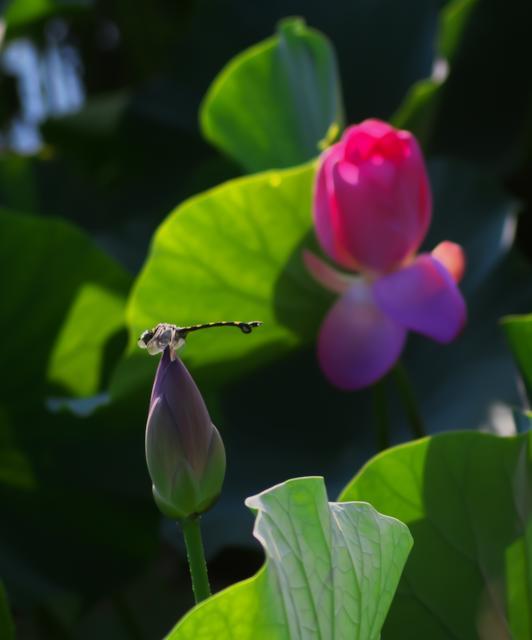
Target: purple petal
423, 297
358, 343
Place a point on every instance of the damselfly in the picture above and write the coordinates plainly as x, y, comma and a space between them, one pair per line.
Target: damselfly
170, 335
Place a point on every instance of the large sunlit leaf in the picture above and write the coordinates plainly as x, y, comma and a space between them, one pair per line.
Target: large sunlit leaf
62, 300
273, 104
467, 499
331, 572
234, 253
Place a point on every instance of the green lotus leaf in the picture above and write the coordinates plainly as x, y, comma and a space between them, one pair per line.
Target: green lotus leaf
331, 571
518, 331
234, 253
63, 301
467, 499
273, 104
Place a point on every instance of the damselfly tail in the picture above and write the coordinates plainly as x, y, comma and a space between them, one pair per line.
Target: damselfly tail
245, 327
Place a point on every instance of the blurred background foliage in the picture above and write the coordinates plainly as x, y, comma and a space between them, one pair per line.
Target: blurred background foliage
106, 113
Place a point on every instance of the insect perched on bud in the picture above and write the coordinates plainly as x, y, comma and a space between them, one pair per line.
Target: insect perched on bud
170, 335
184, 451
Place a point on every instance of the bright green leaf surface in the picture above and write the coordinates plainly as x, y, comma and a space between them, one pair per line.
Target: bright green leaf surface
331, 572
95, 316
234, 253
7, 628
518, 330
273, 104
467, 499
63, 298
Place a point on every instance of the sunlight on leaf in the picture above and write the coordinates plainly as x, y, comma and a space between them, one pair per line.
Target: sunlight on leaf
234, 253
77, 357
331, 572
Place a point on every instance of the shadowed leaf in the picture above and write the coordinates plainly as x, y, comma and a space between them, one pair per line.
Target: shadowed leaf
273, 104
467, 499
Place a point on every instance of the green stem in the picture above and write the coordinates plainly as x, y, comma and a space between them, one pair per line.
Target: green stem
381, 415
408, 399
196, 558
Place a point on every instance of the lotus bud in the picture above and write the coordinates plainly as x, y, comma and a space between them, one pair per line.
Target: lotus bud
372, 202
184, 451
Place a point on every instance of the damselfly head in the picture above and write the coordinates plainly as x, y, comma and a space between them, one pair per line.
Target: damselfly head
163, 335
144, 338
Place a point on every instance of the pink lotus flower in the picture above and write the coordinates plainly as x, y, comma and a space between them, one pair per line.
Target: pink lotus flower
372, 210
